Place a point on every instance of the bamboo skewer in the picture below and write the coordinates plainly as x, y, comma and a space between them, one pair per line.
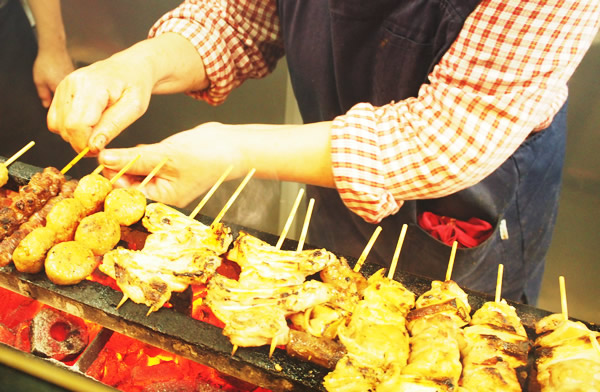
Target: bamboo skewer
290, 219
124, 169
234, 196
75, 160
396, 256
451, 262
309, 209
367, 249
152, 173
211, 192
18, 154
563, 297
499, 283
98, 169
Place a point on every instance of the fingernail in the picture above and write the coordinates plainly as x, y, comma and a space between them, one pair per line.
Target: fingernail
99, 142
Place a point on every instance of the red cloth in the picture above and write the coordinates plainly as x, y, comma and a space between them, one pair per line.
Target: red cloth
467, 233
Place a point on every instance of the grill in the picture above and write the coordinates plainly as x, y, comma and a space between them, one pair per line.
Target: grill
175, 331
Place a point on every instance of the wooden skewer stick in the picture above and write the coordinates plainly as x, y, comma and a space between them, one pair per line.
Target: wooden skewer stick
211, 192
123, 300
309, 209
75, 160
235, 347
499, 283
18, 154
367, 249
234, 196
290, 219
451, 262
396, 256
563, 297
153, 173
124, 169
98, 169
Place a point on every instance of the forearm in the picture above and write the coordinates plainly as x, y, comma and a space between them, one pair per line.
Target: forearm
298, 153
49, 24
174, 63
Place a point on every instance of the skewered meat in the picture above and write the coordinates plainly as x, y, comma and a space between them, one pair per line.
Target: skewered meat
32, 197
31, 252
161, 218
3, 175
126, 204
261, 261
64, 218
91, 192
69, 263
100, 232
567, 355
375, 336
497, 347
150, 279
10, 243
322, 351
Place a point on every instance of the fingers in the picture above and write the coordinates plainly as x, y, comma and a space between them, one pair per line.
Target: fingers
116, 158
45, 95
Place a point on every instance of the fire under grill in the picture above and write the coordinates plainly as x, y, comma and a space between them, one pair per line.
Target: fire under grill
174, 330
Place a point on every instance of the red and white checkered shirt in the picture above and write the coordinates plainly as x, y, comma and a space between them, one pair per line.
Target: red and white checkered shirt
504, 77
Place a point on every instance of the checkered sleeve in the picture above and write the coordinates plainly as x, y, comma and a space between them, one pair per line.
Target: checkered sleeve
236, 40
504, 77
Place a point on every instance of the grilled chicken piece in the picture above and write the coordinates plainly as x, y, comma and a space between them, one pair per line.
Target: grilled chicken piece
496, 348
161, 218
322, 351
257, 326
150, 279
260, 260
127, 205
64, 218
69, 263
91, 192
375, 336
100, 232
31, 252
443, 293
396, 381
350, 376
567, 356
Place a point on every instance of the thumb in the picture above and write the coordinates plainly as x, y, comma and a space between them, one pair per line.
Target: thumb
115, 119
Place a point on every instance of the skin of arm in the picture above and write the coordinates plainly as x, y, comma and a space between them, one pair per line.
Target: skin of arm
53, 61
299, 153
94, 104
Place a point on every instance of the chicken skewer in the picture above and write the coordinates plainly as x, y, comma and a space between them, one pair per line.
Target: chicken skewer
435, 339
4, 165
567, 353
185, 234
496, 347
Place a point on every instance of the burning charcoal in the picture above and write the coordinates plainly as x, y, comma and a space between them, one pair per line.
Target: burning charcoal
57, 335
175, 386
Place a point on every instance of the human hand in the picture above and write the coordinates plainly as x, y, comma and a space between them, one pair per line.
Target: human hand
92, 105
196, 159
49, 68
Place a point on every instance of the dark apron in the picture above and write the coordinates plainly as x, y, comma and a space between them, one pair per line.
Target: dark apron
22, 116
341, 52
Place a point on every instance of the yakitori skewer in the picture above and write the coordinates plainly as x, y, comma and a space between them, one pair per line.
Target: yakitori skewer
152, 173
4, 165
451, 262
290, 219
499, 283
234, 196
210, 192
309, 210
75, 160
563, 297
367, 249
397, 252
124, 169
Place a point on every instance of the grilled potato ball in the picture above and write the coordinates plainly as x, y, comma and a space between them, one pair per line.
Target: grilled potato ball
91, 192
64, 217
69, 263
30, 253
100, 232
127, 205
